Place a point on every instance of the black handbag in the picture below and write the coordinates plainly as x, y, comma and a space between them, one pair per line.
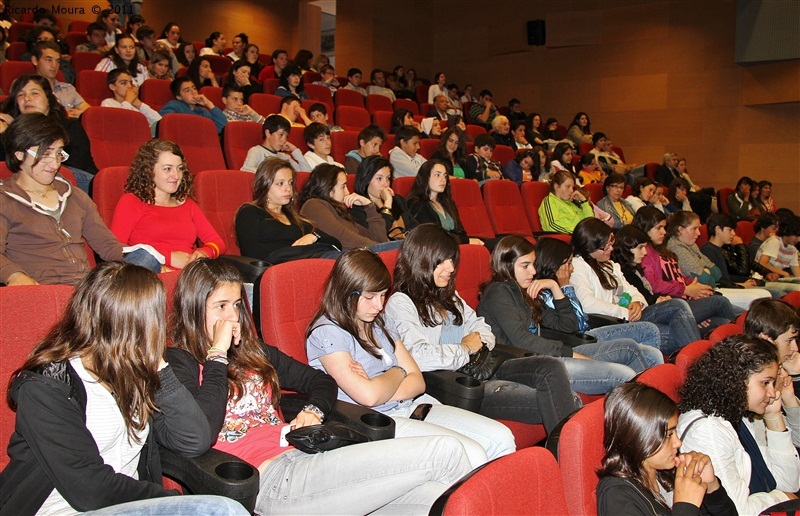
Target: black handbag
483, 364
325, 437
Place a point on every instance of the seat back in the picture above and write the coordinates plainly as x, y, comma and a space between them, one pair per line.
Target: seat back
214, 94
723, 332
237, 138
219, 64
219, 194
703, 238
407, 104
402, 185
533, 193
352, 118
289, 294
268, 72
473, 271
85, 61
155, 93
428, 146
78, 26
265, 104
115, 134
18, 30
311, 77
383, 119
595, 192
345, 97
422, 93
689, 353
471, 209
793, 298
722, 199
270, 85
667, 378
16, 49
107, 188
29, 312
580, 450
319, 93
503, 154
343, 142
377, 103
73, 39
745, 231
650, 171
504, 207
388, 144
197, 138
10, 70
474, 130
91, 85
525, 482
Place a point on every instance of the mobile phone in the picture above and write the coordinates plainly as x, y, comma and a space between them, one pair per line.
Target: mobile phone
421, 412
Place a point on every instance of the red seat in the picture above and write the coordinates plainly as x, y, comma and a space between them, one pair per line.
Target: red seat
64, 172
723, 332
219, 64
220, 193
237, 138
407, 104
689, 353
402, 185
85, 60
28, 313
383, 119
580, 450
473, 271
345, 97
115, 134
268, 72
740, 321
388, 144
343, 142
471, 209
78, 26
616, 149
352, 118
703, 238
793, 298
289, 294
422, 93
595, 191
525, 482
376, 103
722, 199
16, 50
73, 39
91, 85
584, 148
107, 188
301, 178
504, 154
319, 93
265, 104
745, 231
18, 30
10, 70
214, 94
474, 130
296, 139
425, 108
428, 146
504, 207
667, 378
269, 85
650, 171
311, 77
155, 93
389, 258
197, 138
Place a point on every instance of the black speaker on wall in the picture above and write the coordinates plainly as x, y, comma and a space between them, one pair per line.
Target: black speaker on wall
536, 32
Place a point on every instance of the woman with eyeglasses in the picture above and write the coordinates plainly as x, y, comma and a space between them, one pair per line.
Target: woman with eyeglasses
44, 220
613, 203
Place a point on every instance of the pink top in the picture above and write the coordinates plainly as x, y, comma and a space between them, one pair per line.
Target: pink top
167, 229
664, 276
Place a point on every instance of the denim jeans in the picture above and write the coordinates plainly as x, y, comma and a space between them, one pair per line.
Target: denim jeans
188, 505
716, 308
83, 178
642, 332
144, 259
393, 476
675, 321
530, 390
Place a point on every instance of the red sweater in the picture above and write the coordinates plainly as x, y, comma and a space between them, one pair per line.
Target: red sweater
167, 229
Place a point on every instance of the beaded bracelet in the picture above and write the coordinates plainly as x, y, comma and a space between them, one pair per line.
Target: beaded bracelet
217, 358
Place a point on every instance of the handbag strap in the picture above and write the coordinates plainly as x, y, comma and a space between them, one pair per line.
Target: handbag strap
686, 430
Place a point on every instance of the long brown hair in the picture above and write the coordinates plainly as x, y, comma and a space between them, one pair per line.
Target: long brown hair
115, 320
320, 185
354, 273
140, 179
197, 282
591, 235
504, 256
265, 176
424, 248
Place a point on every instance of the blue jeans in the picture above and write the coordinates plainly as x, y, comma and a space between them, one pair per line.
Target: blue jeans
188, 505
83, 178
675, 321
144, 259
642, 332
716, 308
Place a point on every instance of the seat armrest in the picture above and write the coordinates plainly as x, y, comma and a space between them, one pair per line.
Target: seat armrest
600, 320
509, 352
570, 339
213, 473
369, 422
249, 268
454, 388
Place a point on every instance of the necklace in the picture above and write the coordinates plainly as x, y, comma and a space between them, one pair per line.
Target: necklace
40, 194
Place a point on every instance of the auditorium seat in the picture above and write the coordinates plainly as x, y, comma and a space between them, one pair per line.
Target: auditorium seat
474, 130
667, 378
584, 148
745, 231
345, 97
471, 209
722, 199
376, 103
73, 39
407, 104
197, 138
85, 60
115, 134
91, 85
219, 64
388, 144
78, 26
296, 138
214, 94
268, 72
17, 31
269, 85
15, 50
428, 146
10, 70
402, 185
237, 139
689, 353
383, 119
504, 207
343, 142
422, 93
723, 332
318, 93
220, 194
650, 171
703, 238
595, 192
503, 154
352, 118
265, 104
312, 77
155, 93
107, 188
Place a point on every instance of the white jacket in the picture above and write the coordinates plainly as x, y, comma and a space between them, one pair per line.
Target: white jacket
596, 299
717, 438
423, 342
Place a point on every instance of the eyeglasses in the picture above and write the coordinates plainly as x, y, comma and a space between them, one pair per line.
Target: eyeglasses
61, 156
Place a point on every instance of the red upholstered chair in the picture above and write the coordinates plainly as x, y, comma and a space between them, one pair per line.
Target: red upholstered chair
595, 191
219, 64
16, 49
345, 97
533, 193
383, 119
10, 70
689, 353
301, 178
219, 194
723, 332
214, 93
107, 188
388, 144
473, 271
425, 108
64, 172
740, 321
745, 231
352, 118
265, 104
311, 77
471, 209
389, 258
85, 60
618, 150
667, 378
182, 71
525, 482
343, 142
115, 134
650, 171
198, 46
296, 139
237, 138
504, 207
318, 92
561, 131
307, 103
269, 85
580, 450
197, 138
474, 130
78, 26
155, 93
428, 146
91, 85
722, 199
703, 238
504, 154
268, 72
17, 30
289, 294
28, 313
407, 104
584, 148
377, 103
402, 185
73, 39
793, 298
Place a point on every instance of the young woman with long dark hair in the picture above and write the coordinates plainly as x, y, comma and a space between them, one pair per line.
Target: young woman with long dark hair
123, 55
374, 181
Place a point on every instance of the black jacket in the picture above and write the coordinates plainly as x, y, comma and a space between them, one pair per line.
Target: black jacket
52, 448
665, 175
624, 497
421, 212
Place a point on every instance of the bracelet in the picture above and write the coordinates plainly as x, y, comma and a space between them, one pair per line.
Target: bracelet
405, 373
385, 211
218, 358
776, 418
314, 410
316, 235
218, 350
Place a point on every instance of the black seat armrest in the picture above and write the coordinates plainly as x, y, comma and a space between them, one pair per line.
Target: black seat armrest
213, 473
454, 388
600, 320
369, 422
570, 339
249, 268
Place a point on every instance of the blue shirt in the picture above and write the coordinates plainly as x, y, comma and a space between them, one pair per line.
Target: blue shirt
182, 107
